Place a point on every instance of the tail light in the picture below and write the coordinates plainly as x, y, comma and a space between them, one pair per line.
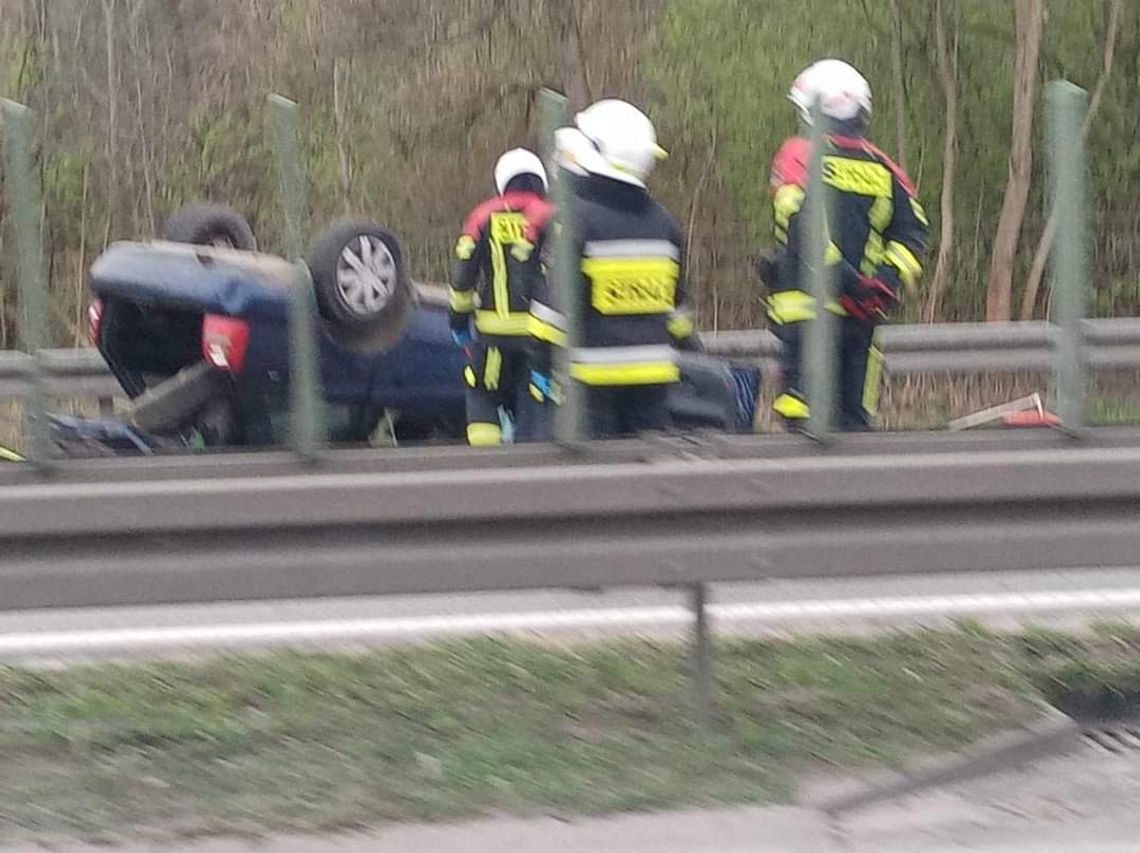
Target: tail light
94, 320
224, 341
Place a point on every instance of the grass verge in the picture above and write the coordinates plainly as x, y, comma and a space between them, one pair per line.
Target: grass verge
318, 741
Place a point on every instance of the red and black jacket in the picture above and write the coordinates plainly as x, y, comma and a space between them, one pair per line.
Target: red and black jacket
877, 228
496, 268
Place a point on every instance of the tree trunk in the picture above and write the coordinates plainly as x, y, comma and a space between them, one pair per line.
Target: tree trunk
1045, 244
112, 113
1029, 18
947, 63
571, 63
899, 84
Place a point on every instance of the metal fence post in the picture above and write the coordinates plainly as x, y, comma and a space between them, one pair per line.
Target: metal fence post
1067, 106
569, 423
700, 656
25, 199
305, 428
819, 351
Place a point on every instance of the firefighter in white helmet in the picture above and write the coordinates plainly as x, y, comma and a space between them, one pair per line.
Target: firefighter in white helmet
630, 283
878, 238
494, 278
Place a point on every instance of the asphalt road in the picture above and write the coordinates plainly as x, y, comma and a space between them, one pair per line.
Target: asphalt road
808, 605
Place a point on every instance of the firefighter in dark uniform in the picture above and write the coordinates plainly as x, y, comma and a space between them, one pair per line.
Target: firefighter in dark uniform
631, 285
878, 233
495, 273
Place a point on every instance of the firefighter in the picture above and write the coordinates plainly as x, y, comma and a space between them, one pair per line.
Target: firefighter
495, 274
630, 282
877, 231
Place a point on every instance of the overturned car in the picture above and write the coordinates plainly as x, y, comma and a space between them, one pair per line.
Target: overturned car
195, 330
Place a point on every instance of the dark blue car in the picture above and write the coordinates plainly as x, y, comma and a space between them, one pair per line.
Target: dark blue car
196, 332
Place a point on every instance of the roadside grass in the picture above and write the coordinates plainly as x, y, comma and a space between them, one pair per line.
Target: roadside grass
311, 742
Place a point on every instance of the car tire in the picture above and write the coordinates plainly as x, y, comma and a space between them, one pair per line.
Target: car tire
363, 289
210, 225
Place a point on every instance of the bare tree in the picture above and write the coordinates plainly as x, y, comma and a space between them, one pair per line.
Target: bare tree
947, 64
899, 83
1029, 22
112, 110
571, 61
1045, 244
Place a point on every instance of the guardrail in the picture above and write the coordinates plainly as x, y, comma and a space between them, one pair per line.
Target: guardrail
777, 507
939, 348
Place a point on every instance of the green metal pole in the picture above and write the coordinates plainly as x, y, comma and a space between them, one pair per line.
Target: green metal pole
1067, 107
306, 433
25, 199
569, 424
819, 341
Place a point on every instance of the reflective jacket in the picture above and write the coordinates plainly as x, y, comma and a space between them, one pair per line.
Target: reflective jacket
630, 288
496, 270
877, 228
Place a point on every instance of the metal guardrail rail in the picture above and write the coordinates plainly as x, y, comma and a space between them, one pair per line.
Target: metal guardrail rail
589, 523
940, 348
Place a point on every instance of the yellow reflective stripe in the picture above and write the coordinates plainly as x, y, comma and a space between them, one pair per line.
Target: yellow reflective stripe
632, 373
874, 378
863, 177
790, 406
544, 331
908, 265
680, 325
872, 254
786, 203
469, 376
465, 248
499, 277
506, 230
494, 323
493, 369
919, 213
832, 256
484, 435
10, 455
882, 209
632, 285
794, 306
781, 235
522, 250
461, 301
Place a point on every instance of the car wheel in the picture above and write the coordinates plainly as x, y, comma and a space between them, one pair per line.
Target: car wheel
210, 225
362, 287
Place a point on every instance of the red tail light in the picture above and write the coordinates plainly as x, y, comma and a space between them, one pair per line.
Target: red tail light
224, 341
94, 320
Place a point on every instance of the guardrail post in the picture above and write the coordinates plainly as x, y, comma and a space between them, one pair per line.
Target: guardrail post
819, 350
569, 422
25, 199
305, 428
700, 657
1067, 106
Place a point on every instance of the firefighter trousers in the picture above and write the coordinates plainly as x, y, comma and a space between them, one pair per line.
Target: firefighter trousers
859, 371
617, 411
497, 377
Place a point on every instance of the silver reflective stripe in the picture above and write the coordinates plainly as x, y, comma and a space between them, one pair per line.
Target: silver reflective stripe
631, 249
623, 355
548, 315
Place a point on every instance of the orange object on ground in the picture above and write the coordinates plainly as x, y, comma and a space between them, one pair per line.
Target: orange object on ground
1031, 418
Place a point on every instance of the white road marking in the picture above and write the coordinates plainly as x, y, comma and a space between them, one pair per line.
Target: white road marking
85, 641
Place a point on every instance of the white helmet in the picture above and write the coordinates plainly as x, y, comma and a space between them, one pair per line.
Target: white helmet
843, 94
517, 161
624, 138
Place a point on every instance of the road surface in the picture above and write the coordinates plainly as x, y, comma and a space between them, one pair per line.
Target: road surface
853, 604
1084, 803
